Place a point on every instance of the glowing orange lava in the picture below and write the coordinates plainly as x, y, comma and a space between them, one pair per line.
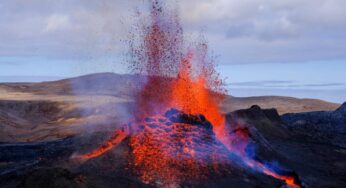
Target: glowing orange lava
192, 95
116, 138
167, 152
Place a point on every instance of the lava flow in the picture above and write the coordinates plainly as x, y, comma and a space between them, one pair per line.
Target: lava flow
179, 132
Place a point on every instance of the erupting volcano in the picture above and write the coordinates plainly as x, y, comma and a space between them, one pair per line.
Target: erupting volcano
178, 132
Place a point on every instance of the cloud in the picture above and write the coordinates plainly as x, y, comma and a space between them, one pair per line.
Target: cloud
324, 85
255, 31
285, 17
57, 22
284, 84
249, 31
65, 29
262, 83
278, 28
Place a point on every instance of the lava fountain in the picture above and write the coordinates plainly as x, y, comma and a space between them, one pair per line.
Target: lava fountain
178, 131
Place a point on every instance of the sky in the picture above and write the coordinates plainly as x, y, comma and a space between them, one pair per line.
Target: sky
287, 47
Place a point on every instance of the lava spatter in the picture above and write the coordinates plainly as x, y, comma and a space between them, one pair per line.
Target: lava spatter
176, 148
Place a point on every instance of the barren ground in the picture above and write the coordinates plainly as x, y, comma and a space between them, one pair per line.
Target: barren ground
52, 110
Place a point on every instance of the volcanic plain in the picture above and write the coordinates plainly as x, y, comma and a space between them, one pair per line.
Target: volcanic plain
43, 124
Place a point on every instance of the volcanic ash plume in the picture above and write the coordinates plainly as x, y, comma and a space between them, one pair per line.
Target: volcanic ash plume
178, 131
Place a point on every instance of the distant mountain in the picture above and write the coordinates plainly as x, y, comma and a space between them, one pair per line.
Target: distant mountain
12, 79
123, 86
93, 84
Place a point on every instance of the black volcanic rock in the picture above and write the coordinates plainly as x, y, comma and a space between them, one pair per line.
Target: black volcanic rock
267, 120
257, 113
342, 108
340, 112
176, 116
310, 144
50, 178
304, 144
327, 127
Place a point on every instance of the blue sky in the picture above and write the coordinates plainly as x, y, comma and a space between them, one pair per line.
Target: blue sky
286, 47
318, 79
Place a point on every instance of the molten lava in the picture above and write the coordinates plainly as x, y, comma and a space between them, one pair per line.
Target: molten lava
185, 143
193, 97
176, 148
117, 137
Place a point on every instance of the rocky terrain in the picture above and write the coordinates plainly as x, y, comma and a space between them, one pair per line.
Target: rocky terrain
43, 124
327, 127
315, 161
